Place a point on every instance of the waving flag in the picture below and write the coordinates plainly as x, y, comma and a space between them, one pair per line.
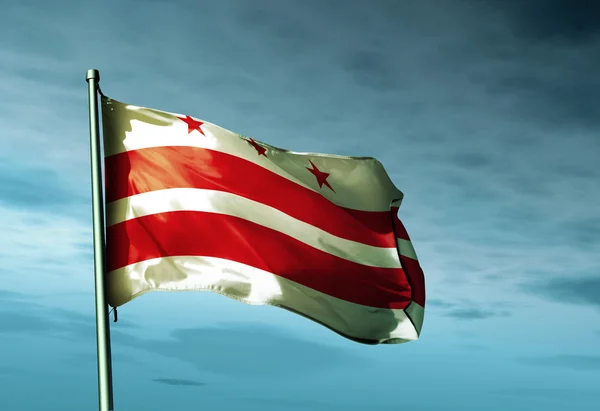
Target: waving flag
192, 206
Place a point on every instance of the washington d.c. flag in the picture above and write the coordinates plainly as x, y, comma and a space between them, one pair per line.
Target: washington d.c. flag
192, 206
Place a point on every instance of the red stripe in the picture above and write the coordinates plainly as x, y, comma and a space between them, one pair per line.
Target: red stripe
157, 168
398, 226
411, 267
191, 233
416, 279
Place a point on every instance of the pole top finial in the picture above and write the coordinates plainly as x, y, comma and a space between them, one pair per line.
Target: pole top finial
92, 74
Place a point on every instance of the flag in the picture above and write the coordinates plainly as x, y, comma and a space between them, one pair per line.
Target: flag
193, 206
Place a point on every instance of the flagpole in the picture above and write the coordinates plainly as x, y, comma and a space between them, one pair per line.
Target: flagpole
105, 397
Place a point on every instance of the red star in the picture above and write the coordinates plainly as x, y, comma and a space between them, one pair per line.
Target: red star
259, 149
192, 124
321, 176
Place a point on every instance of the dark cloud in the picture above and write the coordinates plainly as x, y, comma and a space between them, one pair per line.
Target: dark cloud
466, 190
434, 302
583, 290
535, 59
546, 20
179, 382
372, 69
582, 232
474, 314
468, 311
471, 160
572, 100
286, 31
573, 362
576, 171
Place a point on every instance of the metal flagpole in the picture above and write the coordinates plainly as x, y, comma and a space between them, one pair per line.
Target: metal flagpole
105, 397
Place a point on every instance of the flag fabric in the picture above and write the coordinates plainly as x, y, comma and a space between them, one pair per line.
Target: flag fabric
193, 206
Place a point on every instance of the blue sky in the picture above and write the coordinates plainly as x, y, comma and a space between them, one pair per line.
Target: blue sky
485, 114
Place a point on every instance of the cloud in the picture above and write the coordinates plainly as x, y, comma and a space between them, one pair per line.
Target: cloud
485, 117
179, 382
254, 350
47, 244
302, 401
371, 68
582, 290
584, 232
235, 349
28, 323
472, 347
541, 65
471, 160
24, 186
85, 355
469, 119
38, 315
26, 314
560, 20
467, 309
550, 394
434, 302
573, 362
13, 295
5, 371
291, 403
288, 31
474, 314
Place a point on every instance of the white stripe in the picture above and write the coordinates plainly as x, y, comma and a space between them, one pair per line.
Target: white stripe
220, 202
360, 184
416, 313
258, 287
406, 248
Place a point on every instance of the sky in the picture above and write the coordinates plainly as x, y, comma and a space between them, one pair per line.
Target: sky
486, 115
